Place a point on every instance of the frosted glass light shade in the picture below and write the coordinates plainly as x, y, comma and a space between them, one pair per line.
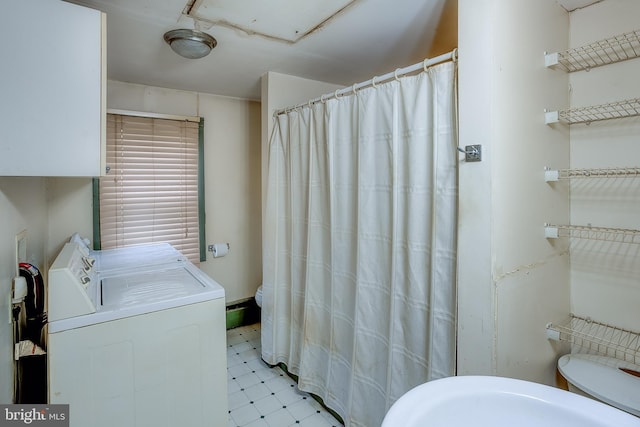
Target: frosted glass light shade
190, 44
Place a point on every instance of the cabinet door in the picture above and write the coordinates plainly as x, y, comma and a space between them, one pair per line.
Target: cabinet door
52, 85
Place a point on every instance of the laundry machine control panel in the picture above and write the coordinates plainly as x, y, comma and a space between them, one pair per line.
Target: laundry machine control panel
73, 286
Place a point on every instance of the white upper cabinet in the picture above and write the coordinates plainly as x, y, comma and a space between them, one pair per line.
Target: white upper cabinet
52, 89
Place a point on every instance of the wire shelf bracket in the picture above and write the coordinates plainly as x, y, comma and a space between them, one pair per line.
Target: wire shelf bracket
603, 52
590, 336
595, 113
553, 175
616, 235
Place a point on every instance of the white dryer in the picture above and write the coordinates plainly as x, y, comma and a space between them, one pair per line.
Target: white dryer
138, 343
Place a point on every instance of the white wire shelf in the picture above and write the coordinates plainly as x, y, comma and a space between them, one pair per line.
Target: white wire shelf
603, 52
595, 113
552, 175
587, 335
617, 235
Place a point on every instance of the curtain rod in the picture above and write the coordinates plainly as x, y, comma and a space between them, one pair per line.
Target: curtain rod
451, 56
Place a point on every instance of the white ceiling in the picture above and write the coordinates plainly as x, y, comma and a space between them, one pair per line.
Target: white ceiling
366, 38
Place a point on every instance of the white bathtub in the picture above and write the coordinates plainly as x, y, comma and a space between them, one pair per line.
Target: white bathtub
481, 401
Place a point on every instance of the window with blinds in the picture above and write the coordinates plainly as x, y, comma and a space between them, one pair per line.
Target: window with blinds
151, 191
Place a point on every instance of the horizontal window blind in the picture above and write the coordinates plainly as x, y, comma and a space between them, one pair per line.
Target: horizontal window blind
150, 193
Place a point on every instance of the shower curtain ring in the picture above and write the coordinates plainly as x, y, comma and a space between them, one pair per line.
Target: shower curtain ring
353, 89
335, 94
424, 65
322, 99
373, 82
395, 74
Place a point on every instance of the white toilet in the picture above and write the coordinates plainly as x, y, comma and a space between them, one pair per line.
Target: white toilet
258, 296
607, 379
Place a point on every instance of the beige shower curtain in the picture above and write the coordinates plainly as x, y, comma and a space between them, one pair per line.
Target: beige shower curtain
359, 243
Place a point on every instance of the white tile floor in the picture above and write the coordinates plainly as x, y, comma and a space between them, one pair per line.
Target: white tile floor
261, 396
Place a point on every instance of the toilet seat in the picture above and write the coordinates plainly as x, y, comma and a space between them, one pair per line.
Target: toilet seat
602, 378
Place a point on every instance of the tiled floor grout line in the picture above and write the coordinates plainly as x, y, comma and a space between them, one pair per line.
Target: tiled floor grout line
264, 396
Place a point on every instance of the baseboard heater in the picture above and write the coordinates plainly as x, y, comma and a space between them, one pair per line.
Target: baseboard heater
241, 313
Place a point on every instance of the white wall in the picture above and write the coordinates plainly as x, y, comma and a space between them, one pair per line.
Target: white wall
22, 206
604, 276
476, 320
512, 281
232, 185
70, 207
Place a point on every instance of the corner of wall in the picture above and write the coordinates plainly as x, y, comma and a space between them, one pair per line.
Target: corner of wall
504, 259
446, 36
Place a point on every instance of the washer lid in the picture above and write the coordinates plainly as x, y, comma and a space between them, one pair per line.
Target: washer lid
148, 287
603, 378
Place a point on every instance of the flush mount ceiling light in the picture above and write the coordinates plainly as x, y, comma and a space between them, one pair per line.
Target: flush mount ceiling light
192, 44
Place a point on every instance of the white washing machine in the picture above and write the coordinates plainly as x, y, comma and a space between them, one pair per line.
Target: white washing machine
140, 342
